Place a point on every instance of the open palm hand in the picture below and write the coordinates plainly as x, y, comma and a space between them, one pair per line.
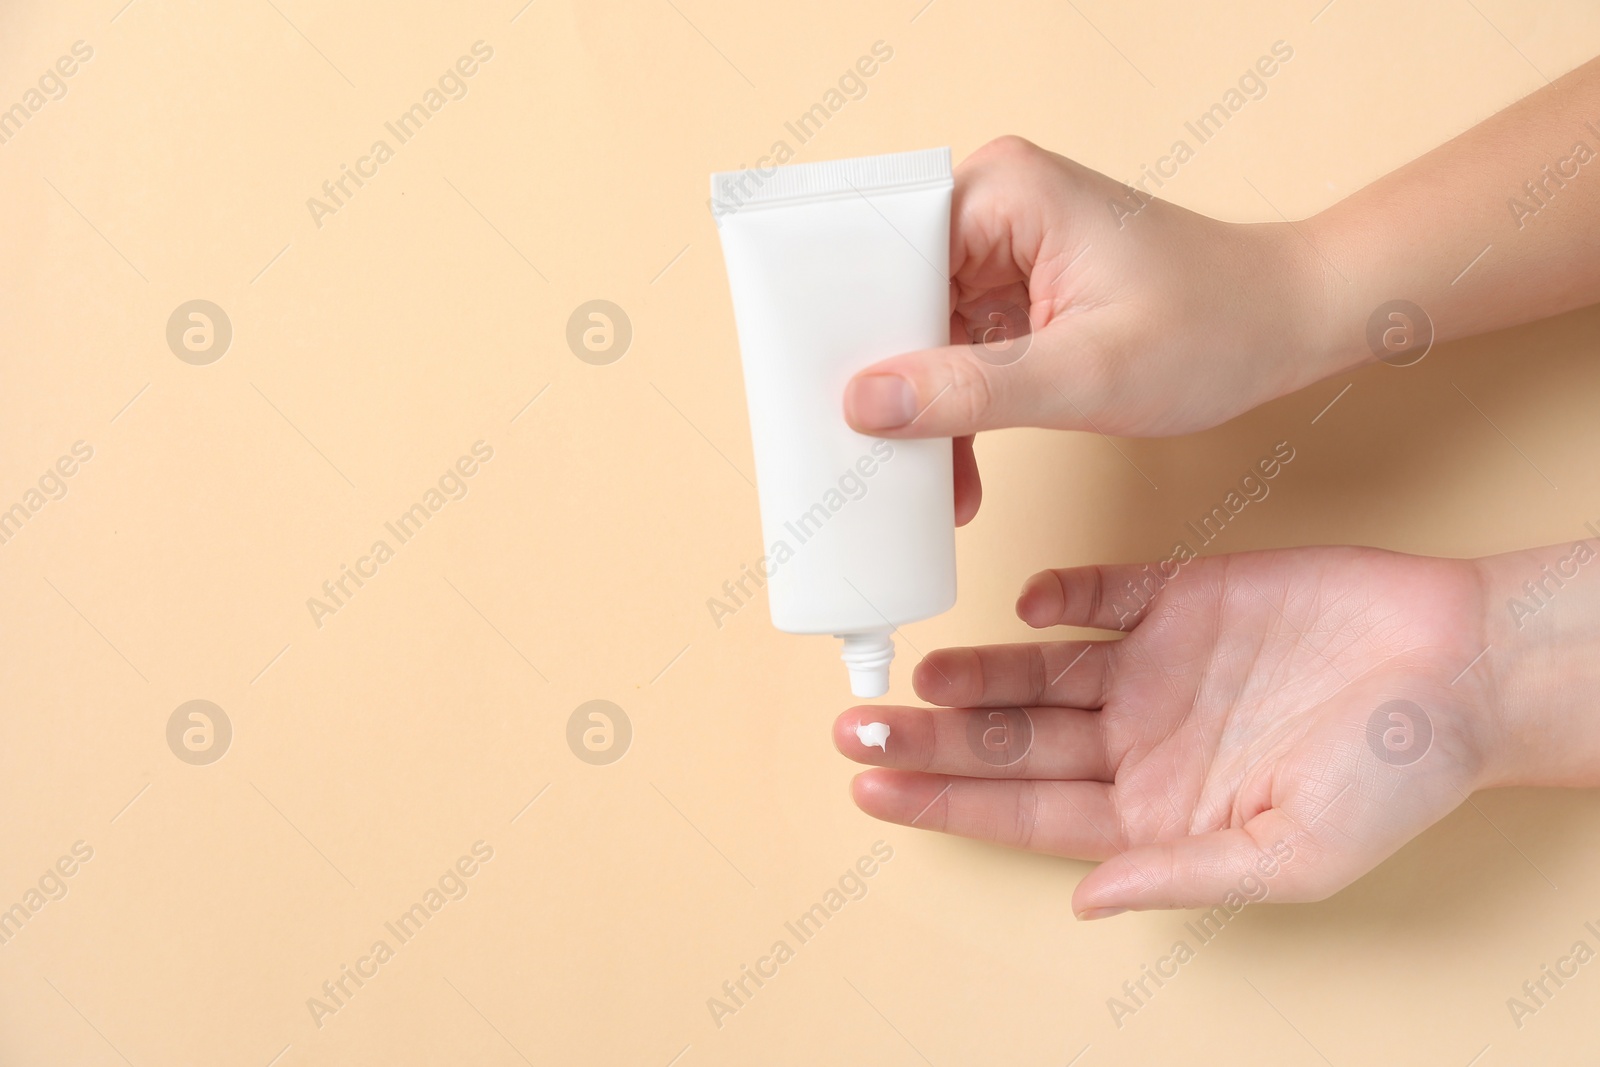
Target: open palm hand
1318, 706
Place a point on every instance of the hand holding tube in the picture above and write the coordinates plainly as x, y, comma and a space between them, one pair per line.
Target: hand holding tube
1144, 319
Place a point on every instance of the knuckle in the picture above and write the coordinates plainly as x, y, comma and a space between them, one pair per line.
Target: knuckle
1097, 592
1026, 826
1038, 674
926, 754
1010, 146
972, 391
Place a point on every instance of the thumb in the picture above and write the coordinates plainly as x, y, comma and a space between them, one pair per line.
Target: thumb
952, 392
1269, 858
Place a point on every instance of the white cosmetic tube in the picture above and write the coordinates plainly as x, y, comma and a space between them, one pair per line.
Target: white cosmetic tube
833, 267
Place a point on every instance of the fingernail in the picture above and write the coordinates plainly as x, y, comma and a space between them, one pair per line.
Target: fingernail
1099, 913
881, 401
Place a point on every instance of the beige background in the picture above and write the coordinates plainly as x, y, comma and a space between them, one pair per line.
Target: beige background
369, 353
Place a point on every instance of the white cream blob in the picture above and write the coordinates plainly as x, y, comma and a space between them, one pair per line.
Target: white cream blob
874, 734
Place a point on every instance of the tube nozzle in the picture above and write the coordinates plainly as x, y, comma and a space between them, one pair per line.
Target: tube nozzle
868, 656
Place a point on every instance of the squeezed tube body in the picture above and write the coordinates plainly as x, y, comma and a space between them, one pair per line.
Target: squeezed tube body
832, 267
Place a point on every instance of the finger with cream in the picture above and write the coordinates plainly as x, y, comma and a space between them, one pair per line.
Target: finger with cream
873, 735
832, 267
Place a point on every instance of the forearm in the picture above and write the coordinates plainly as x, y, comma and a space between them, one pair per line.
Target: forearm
1495, 228
1542, 626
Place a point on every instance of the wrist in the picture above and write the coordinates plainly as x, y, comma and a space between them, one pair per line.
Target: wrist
1542, 624
1317, 333
1343, 296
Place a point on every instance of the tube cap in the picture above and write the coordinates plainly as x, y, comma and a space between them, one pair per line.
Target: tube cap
868, 656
